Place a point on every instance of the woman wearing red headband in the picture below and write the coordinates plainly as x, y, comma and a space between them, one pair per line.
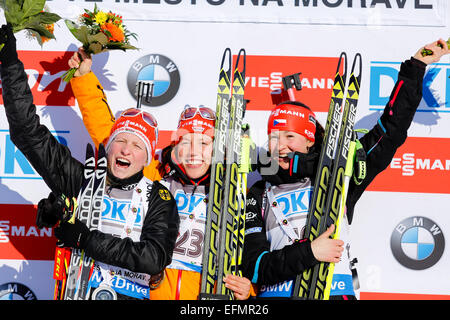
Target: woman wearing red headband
276, 250
126, 251
185, 168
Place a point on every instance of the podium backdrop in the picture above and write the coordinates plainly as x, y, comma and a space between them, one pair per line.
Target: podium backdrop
401, 225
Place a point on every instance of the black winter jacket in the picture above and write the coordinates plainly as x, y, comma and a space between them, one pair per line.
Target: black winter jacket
380, 144
63, 175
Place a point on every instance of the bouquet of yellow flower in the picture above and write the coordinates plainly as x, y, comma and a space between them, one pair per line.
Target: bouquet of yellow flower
30, 15
99, 31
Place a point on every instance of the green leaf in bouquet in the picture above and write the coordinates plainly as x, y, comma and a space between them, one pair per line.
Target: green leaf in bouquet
41, 30
95, 48
13, 14
46, 17
120, 46
37, 36
99, 37
32, 7
71, 26
81, 34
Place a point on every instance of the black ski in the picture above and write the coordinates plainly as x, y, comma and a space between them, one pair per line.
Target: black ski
336, 198
83, 201
303, 281
88, 212
330, 190
345, 168
224, 226
209, 262
93, 221
229, 240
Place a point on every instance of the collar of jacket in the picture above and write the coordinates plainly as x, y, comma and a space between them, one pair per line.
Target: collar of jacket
283, 176
124, 184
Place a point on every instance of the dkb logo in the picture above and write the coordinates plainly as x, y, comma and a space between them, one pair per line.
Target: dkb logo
14, 165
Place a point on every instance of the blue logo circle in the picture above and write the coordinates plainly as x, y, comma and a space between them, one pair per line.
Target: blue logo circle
417, 243
158, 70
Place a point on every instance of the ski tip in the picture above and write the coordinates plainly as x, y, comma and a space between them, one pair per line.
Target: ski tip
101, 148
89, 151
227, 52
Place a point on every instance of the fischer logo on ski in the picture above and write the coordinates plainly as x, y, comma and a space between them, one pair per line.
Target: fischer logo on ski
223, 235
209, 262
329, 195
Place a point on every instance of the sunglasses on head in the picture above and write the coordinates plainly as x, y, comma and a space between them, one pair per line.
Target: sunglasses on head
148, 118
190, 112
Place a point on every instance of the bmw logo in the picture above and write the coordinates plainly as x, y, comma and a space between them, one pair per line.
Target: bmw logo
16, 291
159, 70
417, 243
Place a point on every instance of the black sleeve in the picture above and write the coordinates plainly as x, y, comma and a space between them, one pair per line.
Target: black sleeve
259, 264
154, 250
391, 130
52, 160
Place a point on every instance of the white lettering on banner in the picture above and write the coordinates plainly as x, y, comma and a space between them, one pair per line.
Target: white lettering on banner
408, 164
362, 12
7, 231
274, 82
279, 287
338, 285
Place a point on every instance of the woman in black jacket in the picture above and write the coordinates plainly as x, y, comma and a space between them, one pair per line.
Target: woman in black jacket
125, 253
276, 250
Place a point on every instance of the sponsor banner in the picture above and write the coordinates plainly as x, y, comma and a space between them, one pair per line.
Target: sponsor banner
436, 88
346, 12
419, 165
26, 280
264, 76
408, 240
13, 164
44, 70
19, 236
168, 30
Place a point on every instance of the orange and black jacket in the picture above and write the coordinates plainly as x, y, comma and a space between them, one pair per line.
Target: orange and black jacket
63, 174
98, 119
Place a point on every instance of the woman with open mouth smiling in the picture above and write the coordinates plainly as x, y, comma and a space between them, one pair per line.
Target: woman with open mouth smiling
185, 168
132, 243
276, 248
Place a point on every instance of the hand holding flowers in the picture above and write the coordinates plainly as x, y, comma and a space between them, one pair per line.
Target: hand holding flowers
98, 32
